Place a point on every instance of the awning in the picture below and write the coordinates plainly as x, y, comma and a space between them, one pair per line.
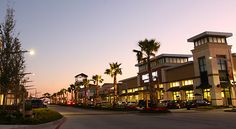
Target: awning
187, 87
173, 89
204, 86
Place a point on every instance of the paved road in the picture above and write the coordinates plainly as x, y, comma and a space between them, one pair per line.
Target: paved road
182, 119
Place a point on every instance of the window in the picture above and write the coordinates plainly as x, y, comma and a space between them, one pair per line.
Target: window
167, 60
223, 40
160, 85
210, 39
135, 89
178, 60
207, 94
130, 90
189, 95
154, 75
219, 40
123, 91
174, 84
187, 82
205, 40
176, 95
141, 88
214, 39
145, 78
202, 64
221, 61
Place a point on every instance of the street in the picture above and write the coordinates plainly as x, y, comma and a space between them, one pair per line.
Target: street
92, 119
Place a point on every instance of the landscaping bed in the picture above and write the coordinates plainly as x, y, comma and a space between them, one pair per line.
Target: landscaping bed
40, 115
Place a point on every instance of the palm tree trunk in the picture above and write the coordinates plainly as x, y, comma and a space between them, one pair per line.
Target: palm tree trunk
97, 94
151, 88
115, 91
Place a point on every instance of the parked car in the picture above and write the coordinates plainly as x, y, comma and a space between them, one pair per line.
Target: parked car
173, 104
131, 105
70, 103
36, 103
196, 103
142, 104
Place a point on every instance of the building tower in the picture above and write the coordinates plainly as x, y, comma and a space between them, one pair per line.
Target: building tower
213, 68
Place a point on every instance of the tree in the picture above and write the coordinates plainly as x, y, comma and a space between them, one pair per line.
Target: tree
148, 50
12, 63
113, 71
85, 83
63, 92
96, 80
46, 95
71, 90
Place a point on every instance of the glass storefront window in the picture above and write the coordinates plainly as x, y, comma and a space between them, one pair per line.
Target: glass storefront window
207, 94
176, 95
189, 95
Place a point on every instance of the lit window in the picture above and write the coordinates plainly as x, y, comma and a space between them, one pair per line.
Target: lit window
160, 85
219, 40
189, 95
130, 90
123, 91
223, 40
167, 60
207, 94
141, 88
187, 82
135, 89
176, 95
154, 76
145, 78
210, 39
205, 40
214, 39
174, 84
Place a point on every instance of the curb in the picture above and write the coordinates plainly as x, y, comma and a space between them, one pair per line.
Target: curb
50, 125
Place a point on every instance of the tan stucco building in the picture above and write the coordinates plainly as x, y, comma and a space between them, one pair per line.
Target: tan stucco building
210, 75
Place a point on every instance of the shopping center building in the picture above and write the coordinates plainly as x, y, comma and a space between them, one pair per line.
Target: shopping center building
209, 73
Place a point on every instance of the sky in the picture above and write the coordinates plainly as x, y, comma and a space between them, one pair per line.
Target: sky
83, 36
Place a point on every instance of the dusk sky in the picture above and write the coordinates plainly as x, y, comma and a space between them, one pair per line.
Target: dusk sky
75, 36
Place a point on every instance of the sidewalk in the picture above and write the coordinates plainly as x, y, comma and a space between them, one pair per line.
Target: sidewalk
50, 125
184, 110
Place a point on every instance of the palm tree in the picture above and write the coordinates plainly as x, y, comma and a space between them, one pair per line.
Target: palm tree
97, 79
71, 89
63, 92
46, 95
148, 50
85, 83
113, 71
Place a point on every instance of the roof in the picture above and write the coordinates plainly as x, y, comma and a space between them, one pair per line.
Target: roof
126, 79
168, 55
209, 33
81, 75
